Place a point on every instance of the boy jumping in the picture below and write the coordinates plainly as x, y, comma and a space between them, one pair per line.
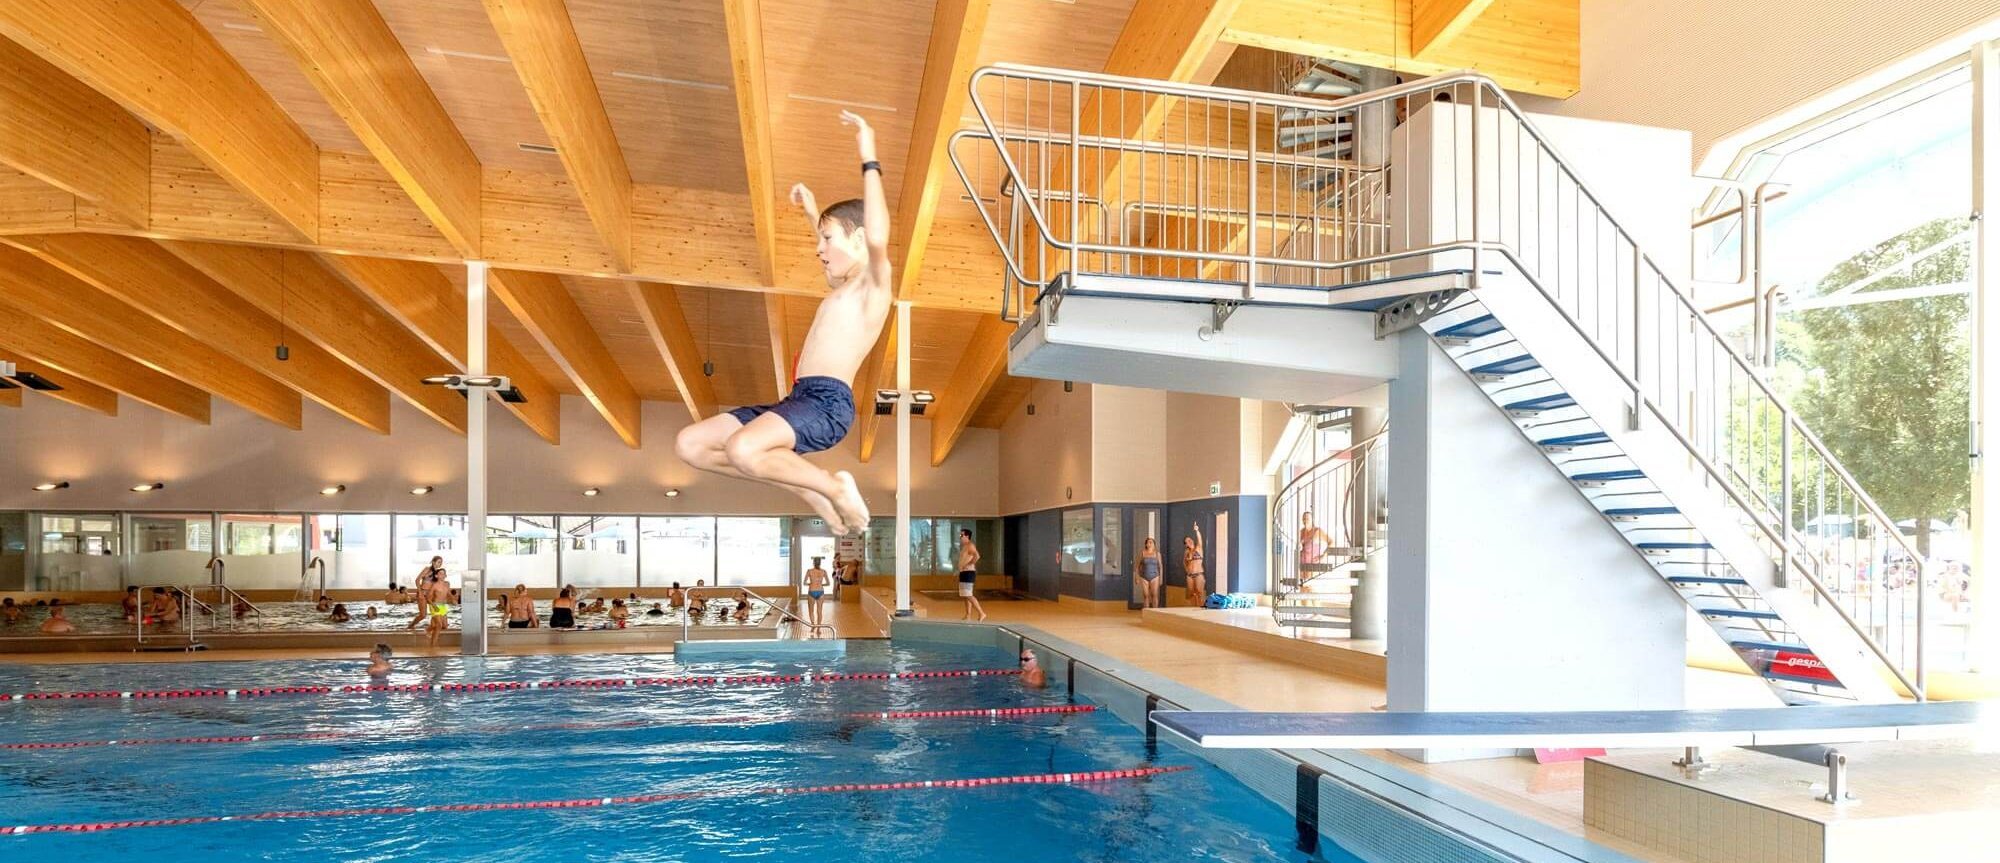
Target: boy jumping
766, 442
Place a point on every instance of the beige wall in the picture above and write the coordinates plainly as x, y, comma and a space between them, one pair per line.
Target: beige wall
1205, 443
1716, 67
1129, 444
240, 462
1045, 459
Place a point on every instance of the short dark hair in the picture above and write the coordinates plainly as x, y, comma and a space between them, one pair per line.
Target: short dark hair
965, 532
848, 213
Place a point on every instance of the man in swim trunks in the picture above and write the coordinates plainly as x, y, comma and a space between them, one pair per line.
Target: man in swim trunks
767, 442
437, 604
816, 580
968, 576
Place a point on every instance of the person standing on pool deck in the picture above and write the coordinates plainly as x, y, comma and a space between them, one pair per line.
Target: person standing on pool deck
1148, 572
433, 571
816, 592
767, 443
1194, 563
968, 576
437, 603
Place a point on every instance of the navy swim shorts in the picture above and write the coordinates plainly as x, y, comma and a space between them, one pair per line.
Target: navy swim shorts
819, 410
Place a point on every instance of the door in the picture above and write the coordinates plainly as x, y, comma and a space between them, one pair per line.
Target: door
1044, 555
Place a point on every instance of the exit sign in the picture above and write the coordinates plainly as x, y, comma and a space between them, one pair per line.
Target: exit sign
1215, 488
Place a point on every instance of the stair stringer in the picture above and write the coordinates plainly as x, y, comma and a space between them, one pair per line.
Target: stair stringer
1608, 401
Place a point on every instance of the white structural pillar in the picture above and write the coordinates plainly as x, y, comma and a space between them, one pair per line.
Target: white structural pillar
472, 592
1985, 449
903, 405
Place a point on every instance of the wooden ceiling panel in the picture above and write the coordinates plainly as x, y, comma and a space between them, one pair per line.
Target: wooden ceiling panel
662, 69
267, 61
1002, 402
517, 335
825, 56
1062, 35
729, 330
457, 51
609, 305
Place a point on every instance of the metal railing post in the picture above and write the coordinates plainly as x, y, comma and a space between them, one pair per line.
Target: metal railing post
1472, 281
1785, 497
1638, 340
1076, 168
1250, 194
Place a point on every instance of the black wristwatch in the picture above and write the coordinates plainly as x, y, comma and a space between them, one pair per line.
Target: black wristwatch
871, 165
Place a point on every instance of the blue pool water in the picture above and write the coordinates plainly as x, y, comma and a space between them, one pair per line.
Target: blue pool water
435, 749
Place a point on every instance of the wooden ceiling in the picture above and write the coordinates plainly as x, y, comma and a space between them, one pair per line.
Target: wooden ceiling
623, 164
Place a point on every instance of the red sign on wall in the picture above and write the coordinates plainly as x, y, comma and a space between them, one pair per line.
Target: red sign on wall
1803, 665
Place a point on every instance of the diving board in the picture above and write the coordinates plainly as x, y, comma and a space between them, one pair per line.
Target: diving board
1755, 726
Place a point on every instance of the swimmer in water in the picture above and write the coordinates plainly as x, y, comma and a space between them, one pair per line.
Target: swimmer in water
1032, 675
57, 624
378, 661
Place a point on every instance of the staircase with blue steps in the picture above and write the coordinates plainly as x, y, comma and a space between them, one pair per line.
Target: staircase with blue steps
1521, 386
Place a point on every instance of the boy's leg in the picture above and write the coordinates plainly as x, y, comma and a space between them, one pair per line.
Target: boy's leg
704, 446
762, 451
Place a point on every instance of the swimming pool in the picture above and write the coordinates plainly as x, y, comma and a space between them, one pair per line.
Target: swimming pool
107, 619
735, 747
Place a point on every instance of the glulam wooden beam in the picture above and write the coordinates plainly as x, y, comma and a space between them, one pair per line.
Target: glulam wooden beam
83, 359
60, 131
543, 304
668, 326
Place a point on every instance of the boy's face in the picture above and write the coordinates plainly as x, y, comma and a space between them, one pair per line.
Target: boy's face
840, 251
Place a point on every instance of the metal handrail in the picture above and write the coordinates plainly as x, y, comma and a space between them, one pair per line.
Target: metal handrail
1356, 458
226, 595
783, 613
1684, 337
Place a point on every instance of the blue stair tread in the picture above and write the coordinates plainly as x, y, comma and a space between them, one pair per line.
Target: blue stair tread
1771, 645
1670, 546
1508, 366
1793, 678
1753, 614
1484, 325
1642, 510
1609, 475
1705, 579
1544, 403
1576, 439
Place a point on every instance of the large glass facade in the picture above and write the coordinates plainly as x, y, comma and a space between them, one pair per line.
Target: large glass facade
1869, 250
78, 552
753, 551
677, 549
422, 537
354, 548
170, 548
13, 551
521, 549
600, 550
261, 552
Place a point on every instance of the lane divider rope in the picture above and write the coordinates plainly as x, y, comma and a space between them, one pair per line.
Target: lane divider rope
505, 686
1086, 777
963, 713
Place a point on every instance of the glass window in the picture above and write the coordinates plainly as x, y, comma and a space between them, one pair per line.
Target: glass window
421, 537
261, 552
1114, 540
1079, 548
170, 548
76, 558
13, 551
677, 548
753, 551
600, 551
354, 549
521, 549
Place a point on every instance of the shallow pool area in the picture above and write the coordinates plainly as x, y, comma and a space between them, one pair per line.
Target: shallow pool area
779, 769
109, 619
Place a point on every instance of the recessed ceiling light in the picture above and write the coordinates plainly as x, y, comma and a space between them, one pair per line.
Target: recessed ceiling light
149, 486
52, 486
590, 492
465, 55
842, 102
542, 149
422, 490
332, 490
673, 492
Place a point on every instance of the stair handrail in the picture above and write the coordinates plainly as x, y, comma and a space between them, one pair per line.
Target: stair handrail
1356, 458
1635, 375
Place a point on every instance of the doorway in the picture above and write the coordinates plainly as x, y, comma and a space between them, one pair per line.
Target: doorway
810, 547
1145, 525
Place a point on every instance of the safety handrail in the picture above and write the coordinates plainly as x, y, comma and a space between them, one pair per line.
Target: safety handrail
1355, 497
1662, 347
783, 613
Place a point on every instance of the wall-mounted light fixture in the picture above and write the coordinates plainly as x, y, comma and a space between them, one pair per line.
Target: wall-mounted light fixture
149, 486
52, 486
332, 490
501, 385
591, 492
673, 492
422, 490
885, 401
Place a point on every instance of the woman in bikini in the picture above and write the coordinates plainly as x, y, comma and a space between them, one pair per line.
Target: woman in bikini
563, 613
1196, 567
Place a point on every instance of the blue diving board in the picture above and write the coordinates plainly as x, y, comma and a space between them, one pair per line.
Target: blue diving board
1747, 726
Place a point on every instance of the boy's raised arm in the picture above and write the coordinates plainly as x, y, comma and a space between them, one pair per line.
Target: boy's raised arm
875, 203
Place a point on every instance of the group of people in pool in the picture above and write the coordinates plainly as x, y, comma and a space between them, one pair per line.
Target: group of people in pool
57, 622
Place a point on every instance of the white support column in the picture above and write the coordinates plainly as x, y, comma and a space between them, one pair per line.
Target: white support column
472, 592
1985, 444
903, 400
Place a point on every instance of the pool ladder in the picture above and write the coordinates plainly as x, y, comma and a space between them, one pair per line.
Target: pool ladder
783, 613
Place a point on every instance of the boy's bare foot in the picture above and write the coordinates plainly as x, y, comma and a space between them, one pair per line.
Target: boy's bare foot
826, 511
853, 510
